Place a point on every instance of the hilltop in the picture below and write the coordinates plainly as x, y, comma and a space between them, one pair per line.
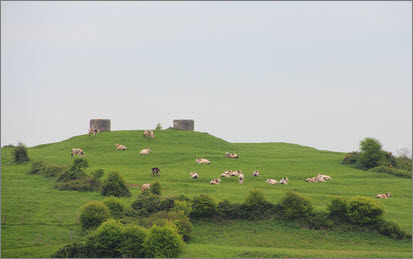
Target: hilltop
174, 152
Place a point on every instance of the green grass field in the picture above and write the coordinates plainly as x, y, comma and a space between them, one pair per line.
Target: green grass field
30, 206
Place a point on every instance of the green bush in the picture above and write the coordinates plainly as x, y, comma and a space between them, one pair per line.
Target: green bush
46, 169
390, 228
132, 241
228, 210
146, 203
75, 250
318, 220
106, 240
338, 209
371, 154
167, 204
92, 214
389, 159
84, 184
183, 206
37, 167
203, 206
115, 206
256, 206
75, 172
351, 158
392, 171
19, 153
177, 218
156, 188
295, 206
158, 126
404, 163
98, 173
182, 197
364, 211
115, 185
163, 242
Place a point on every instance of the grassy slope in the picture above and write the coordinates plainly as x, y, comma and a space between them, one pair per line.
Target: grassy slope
174, 152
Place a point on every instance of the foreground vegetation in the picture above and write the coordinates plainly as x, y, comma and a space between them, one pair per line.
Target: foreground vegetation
32, 206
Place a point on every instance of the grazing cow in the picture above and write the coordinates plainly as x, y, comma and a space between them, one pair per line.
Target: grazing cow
241, 178
383, 196
271, 181
145, 186
155, 171
215, 181
120, 147
202, 161
193, 175
94, 131
256, 173
148, 133
77, 151
145, 151
284, 181
231, 155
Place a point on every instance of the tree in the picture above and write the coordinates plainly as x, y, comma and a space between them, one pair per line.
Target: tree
19, 153
371, 153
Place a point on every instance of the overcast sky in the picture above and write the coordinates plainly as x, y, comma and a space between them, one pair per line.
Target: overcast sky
319, 74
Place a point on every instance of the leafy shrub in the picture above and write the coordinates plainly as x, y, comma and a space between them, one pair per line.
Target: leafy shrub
338, 209
351, 158
75, 250
87, 183
203, 206
163, 242
256, 206
182, 197
318, 220
371, 154
146, 203
177, 218
92, 214
132, 241
404, 163
295, 206
364, 211
390, 228
228, 210
158, 126
183, 206
389, 159
167, 203
107, 239
37, 167
114, 185
156, 188
115, 206
395, 172
19, 153
98, 173
75, 172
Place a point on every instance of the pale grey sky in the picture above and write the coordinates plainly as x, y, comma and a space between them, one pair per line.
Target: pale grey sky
319, 74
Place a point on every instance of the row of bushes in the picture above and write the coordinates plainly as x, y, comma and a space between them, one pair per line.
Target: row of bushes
393, 171
75, 178
113, 239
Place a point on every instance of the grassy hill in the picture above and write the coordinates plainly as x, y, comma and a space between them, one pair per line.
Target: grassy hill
31, 206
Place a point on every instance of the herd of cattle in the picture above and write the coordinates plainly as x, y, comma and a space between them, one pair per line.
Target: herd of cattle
227, 174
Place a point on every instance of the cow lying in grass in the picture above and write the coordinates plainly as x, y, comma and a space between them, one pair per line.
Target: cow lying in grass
256, 173
120, 147
231, 155
145, 151
155, 171
284, 181
318, 178
202, 161
236, 173
148, 133
271, 181
215, 181
193, 175
226, 174
145, 186
77, 151
383, 196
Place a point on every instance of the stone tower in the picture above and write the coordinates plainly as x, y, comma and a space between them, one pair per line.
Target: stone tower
103, 125
187, 125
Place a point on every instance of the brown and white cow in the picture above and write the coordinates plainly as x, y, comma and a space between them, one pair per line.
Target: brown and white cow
77, 151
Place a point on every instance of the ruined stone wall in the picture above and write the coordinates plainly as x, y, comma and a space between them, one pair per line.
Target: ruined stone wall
103, 125
184, 125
